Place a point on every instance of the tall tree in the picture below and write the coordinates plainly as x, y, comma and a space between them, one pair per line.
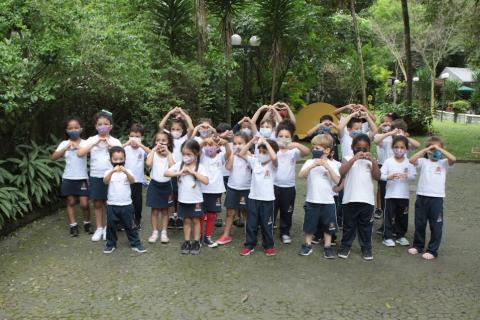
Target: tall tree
358, 46
408, 53
201, 24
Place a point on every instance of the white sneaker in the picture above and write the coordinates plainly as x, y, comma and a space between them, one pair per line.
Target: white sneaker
286, 239
97, 235
389, 243
403, 241
104, 235
163, 237
154, 237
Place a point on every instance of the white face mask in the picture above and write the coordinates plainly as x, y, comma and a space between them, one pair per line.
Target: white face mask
266, 132
247, 131
176, 134
284, 142
263, 157
204, 133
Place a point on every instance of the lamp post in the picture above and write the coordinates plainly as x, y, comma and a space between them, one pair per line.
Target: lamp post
395, 83
248, 49
415, 80
444, 77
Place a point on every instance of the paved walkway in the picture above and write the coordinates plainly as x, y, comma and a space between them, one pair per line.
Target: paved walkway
44, 274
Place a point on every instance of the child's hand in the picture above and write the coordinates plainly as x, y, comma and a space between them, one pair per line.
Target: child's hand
320, 162
368, 156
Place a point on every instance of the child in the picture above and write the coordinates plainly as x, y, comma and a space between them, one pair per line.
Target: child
322, 175
224, 131
98, 147
136, 153
119, 202
288, 154
351, 127
430, 194
204, 130
261, 199
358, 171
325, 126
190, 175
246, 126
160, 191
181, 129
238, 185
213, 159
397, 171
269, 122
74, 178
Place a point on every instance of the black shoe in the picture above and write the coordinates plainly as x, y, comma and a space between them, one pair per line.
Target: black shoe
316, 240
120, 228
328, 253
195, 247
171, 223
74, 231
209, 242
88, 228
305, 250
378, 214
238, 223
138, 227
367, 254
179, 223
344, 252
185, 248
219, 223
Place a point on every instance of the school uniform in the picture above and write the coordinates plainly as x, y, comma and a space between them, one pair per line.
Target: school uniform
99, 163
177, 157
75, 175
190, 197
358, 203
160, 191
135, 161
212, 192
396, 197
238, 186
429, 203
320, 210
120, 209
225, 172
284, 187
261, 202
384, 152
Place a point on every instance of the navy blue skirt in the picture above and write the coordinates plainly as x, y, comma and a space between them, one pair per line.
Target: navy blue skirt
77, 188
190, 210
159, 195
212, 202
236, 199
98, 189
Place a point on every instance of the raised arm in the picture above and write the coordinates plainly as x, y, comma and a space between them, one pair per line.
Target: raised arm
163, 123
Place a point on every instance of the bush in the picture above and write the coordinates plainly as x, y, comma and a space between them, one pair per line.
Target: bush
460, 106
418, 118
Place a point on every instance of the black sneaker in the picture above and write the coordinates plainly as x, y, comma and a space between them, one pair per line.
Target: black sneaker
316, 240
219, 223
344, 252
367, 254
238, 223
139, 249
328, 253
88, 228
74, 231
305, 250
185, 248
378, 214
171, 223
195, 247
120, 227
108, 250
179, 223
138, 227
209, 242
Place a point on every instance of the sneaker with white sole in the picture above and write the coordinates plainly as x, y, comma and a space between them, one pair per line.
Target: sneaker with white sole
388, 243
154, 237
403, 241
163, 237
108, 249
104, 235
286, 239
139, 249
97, 235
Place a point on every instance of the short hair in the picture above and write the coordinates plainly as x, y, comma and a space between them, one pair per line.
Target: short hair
352, 121
222, 127
400, 138
324, 140
272, 144
400, 124
326, 117
434, 139
116, 149
103, 114
361, 137
201, 120
392, 115
269, 121
242, 135
137, 128
288, 125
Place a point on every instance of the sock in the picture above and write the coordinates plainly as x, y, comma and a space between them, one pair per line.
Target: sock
211, 217
73, 224
86, 222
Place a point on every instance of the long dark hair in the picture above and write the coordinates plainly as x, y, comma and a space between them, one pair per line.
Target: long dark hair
193, 146
169, 138
67, 121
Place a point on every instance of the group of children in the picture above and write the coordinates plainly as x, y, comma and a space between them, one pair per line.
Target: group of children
190, 168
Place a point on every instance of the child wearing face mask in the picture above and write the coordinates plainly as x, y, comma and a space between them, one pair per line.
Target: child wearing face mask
181, 129
269, 122
326, 126
430, 193
98, 147
203, 130
160, 191
246, 126
215, 152
261, 199
320, 210
136, 154
75, 176
238, 185
358, 172
224, 131
191, 175
119, 202
397, 172
288, 154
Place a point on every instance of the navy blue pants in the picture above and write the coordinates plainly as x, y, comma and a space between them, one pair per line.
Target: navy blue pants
357, 216
137, 200
428, 209
259, 213
124, 216
395, 217
284, 202
382, 187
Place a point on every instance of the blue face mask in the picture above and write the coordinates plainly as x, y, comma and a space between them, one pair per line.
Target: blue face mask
74, 134
316, 154
324, 130
356, 133
435, 155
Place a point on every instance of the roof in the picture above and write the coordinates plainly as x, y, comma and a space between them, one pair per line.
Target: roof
464, 75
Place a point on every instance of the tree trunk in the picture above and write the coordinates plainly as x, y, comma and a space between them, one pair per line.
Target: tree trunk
201, 24
276, 65
432, 92
227, 40
358, 45
408, 53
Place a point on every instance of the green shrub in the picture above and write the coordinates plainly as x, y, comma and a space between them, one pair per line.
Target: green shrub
418, 117
460, 106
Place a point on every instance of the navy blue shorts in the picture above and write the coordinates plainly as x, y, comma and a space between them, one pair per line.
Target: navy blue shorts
190, 210
225, 181
159, 195
175, 185
212, 202
77, 188
236, 199
98, 189
319, 216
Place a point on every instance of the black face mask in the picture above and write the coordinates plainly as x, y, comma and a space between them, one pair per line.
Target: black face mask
355, 151
316, 154
114, 164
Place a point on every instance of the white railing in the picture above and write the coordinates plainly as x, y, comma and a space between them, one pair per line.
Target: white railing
461, 117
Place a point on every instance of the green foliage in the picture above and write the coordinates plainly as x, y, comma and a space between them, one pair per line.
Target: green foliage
475, 97
418, 118
460, 106
450, 90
